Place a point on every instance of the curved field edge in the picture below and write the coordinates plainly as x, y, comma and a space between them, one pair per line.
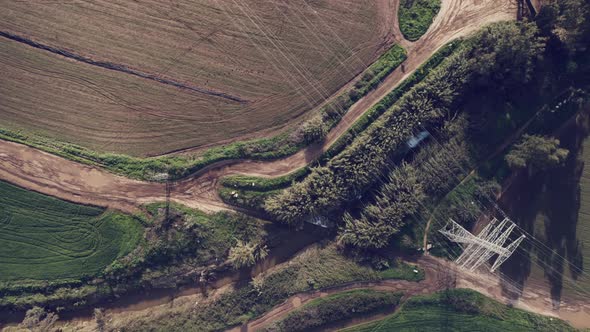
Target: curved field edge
178, 166
461, 310
44, 238
416, 16
192, 43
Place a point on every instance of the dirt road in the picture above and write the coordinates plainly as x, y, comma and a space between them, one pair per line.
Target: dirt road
439, 275
52, 175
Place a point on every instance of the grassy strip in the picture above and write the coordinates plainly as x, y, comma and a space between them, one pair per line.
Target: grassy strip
403, 271
263, 184
461, 310
315, 268
44, 238
155, 168
247, 199
379, 70
374, 112
337, 307
416, 16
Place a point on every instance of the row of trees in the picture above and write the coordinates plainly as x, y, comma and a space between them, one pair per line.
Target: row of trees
315, 129
426, 105
398, 198
408, 187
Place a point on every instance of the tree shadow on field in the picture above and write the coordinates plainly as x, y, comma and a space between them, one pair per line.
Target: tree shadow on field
522, 203
546, 205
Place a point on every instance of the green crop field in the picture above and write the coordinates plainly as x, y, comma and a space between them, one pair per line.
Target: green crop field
415, 17
43, 238
462, 310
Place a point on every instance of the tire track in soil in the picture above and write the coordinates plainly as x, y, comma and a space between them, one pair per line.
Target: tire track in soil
118, 67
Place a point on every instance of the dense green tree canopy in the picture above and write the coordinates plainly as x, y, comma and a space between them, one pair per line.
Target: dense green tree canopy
536, 153
501, 51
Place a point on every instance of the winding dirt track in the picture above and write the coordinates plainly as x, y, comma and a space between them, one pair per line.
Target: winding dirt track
439, 275
49, 174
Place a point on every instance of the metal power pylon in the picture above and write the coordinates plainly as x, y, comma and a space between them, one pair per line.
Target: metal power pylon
478, 249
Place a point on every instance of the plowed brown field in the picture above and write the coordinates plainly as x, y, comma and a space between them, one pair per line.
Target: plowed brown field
275, 60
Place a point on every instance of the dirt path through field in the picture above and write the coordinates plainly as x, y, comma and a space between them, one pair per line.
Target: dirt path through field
49, 174
439, 275
56, 176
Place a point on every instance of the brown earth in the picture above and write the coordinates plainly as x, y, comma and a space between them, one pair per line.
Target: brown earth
52, 175
282, 58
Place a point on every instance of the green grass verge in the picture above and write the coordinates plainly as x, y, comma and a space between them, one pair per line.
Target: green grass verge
461, 310
43, 238
336, 307
263, 184
403, 271
378, 70
247, 199
416, 16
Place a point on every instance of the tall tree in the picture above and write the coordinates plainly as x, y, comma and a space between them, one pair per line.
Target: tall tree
536, 153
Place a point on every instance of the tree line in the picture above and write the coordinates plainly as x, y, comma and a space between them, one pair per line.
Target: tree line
509, 50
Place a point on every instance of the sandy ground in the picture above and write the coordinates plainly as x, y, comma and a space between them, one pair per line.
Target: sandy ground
52, 175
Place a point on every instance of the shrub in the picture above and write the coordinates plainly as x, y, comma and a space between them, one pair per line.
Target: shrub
416, 16
247, 253
536, 152
314, 130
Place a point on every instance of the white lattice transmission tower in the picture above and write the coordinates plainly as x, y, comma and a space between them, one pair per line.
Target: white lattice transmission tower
478, 249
